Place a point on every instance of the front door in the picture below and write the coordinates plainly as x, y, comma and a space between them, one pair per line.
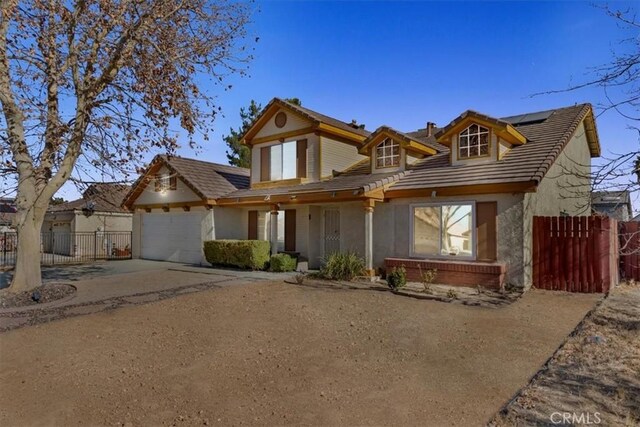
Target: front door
331, 231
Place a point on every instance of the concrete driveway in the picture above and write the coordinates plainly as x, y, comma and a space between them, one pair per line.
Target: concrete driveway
80, 273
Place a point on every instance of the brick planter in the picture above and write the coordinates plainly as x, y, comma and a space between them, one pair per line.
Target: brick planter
458, 273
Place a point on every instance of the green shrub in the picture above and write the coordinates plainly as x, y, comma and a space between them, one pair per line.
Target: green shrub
397, 278
282, 262
342, 266
251, 254
428, 277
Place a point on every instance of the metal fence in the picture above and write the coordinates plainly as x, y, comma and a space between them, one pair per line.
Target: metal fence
71, 248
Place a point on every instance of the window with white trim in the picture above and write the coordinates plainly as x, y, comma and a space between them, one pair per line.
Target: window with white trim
387, 154
473, 142
443, 230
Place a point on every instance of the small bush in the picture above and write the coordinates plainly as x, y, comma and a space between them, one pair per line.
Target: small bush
300, 278
452, 294
342, 266
428, 277
397, 278
250, 254
282, 262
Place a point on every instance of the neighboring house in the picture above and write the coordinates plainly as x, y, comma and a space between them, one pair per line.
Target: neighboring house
7, 213
614, 204
70, 228
459, 198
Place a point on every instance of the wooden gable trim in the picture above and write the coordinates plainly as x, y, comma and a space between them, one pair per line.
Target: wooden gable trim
149, 176
323, 196
592, 133
513, 187
506, 132
406, 143
282, 136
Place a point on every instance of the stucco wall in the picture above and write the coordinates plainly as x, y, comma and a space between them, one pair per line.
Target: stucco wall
182, 193
230, 223
102, 222
565, 189
392, 229
337, 156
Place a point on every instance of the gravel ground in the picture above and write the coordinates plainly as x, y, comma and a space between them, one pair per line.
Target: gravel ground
275, 353
45, 293
595, 375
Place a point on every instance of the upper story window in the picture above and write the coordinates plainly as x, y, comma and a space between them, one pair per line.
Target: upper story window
283, 161
287, 160
165, 182
473, 142
387, 154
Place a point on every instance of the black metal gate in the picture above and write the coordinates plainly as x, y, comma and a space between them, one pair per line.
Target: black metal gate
71, 248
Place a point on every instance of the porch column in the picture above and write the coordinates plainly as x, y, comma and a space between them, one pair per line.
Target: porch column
368, 237
273, 233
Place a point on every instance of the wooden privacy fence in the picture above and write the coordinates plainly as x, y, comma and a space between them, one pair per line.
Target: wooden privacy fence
629, 248
575, 254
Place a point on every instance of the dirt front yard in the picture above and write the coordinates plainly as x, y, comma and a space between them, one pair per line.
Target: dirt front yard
275, 353
594, 377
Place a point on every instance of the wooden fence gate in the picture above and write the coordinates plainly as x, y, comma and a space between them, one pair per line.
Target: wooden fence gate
575, 254
629, 249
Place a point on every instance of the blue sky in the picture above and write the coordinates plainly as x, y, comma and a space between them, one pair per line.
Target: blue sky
405, 63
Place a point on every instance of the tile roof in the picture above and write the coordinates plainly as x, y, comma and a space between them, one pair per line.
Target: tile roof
429, 141
208, 180
211, 180
106, 197
314, 116
524, 163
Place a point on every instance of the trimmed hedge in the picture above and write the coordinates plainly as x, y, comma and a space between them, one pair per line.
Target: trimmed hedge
251, 254
283, 262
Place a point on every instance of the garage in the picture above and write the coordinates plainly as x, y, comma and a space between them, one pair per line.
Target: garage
172, 236
173, 205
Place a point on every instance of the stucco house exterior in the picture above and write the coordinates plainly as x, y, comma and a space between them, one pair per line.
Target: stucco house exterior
72, 228
458, 198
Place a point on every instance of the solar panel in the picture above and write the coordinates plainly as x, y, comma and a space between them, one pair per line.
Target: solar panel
528, 118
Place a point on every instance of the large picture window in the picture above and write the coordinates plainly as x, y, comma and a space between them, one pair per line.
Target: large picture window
283, 161
443, 230
473, 142
387, 154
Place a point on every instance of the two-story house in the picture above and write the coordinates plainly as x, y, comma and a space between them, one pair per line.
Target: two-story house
458, 198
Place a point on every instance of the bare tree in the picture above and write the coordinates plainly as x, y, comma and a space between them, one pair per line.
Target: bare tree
95, 84
620, 83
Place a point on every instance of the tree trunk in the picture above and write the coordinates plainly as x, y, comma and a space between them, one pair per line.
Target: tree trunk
27, 273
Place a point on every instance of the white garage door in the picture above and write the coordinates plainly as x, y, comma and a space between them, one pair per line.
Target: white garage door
169, 236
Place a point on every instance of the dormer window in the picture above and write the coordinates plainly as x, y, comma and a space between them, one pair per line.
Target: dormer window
388, 154
473, 142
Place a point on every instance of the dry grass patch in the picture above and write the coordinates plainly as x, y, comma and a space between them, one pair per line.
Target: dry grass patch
597, 371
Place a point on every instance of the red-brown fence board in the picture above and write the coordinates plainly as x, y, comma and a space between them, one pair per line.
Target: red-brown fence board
576, 254
629, 249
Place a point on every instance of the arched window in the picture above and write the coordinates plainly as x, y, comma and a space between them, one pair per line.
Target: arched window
387, 154
473, 142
